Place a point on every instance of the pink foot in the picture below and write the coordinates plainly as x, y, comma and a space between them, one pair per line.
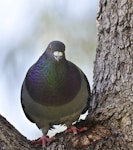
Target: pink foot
75, 130
43, 140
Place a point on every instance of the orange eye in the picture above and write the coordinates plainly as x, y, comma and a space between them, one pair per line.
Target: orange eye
50, 47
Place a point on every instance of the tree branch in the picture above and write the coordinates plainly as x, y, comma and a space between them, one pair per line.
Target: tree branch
95, 136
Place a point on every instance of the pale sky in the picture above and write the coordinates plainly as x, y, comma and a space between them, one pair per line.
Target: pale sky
15, 18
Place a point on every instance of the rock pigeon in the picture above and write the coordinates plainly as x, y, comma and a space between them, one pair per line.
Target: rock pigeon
54, 91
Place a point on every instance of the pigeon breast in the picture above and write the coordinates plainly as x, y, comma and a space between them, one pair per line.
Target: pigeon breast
53, 84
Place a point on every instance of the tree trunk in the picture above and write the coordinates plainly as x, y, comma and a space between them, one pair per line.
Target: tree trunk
110, 124
113, 72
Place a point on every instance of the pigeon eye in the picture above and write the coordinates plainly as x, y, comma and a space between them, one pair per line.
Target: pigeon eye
50, 47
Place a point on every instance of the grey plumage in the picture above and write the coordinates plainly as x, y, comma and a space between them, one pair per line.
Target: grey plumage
54, 91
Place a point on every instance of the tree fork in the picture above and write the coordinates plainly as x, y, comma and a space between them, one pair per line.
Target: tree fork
110, 124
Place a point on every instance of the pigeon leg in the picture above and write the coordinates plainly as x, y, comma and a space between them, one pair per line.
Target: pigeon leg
75, 130
43, 140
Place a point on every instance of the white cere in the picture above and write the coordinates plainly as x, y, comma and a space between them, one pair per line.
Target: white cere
58, 54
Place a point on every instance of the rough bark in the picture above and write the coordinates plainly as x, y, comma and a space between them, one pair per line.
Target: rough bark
11, 139
113, 72
110, 125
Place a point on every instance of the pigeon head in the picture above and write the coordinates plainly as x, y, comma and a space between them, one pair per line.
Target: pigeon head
56, 50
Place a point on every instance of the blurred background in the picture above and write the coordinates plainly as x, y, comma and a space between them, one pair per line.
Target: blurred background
26, 28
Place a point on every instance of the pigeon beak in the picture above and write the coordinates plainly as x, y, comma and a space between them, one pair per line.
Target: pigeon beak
58, 55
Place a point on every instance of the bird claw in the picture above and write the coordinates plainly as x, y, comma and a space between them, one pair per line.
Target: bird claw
75, 130
43, 140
